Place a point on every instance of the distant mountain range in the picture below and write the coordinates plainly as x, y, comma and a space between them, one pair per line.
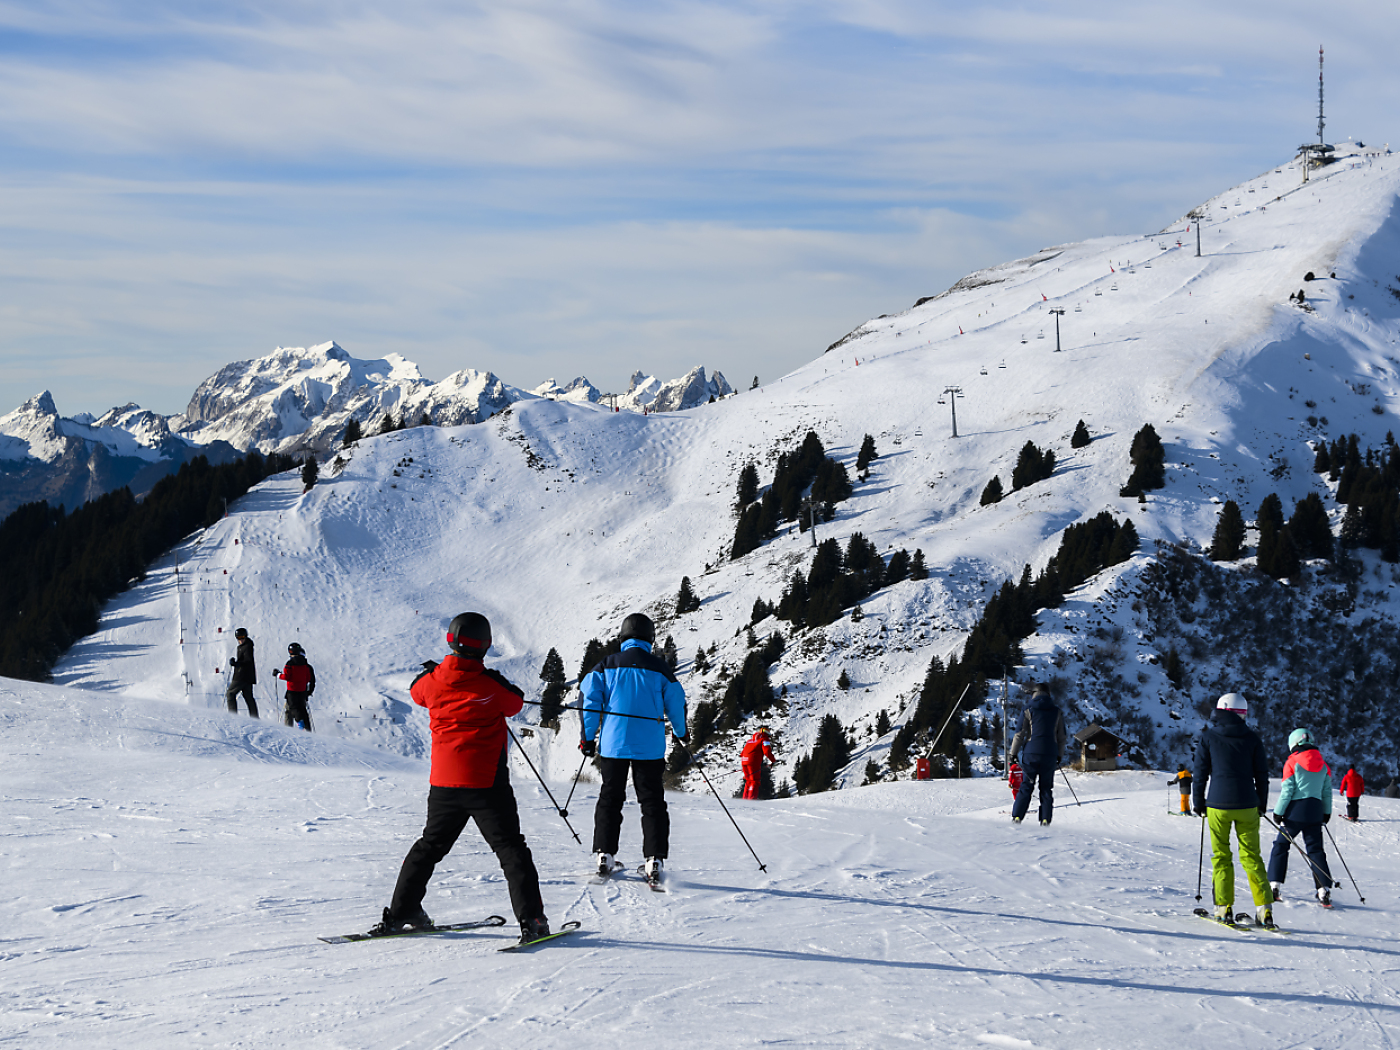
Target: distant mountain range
293, 401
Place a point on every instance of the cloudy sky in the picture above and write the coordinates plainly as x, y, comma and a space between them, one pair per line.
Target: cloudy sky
589, 187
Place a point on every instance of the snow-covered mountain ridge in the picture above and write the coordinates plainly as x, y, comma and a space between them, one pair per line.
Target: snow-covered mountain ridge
293, 401
556, 518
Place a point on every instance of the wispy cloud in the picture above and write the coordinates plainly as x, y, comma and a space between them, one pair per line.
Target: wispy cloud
591, 186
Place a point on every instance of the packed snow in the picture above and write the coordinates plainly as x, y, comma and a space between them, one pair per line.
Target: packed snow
170, 869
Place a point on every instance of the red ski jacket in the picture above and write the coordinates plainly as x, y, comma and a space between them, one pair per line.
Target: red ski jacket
756, 750
298, 675
467, 707
1352, 785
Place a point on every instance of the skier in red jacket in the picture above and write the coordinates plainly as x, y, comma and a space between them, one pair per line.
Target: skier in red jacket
752, 757
1353, 787
1014, 776
469, 780
300, 677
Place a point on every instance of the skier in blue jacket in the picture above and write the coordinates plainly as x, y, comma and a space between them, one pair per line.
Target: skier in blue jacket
636, 683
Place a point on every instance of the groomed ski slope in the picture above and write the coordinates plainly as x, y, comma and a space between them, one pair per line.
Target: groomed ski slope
168, 870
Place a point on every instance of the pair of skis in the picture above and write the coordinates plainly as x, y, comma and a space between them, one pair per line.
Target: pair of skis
490, 922
1241, 923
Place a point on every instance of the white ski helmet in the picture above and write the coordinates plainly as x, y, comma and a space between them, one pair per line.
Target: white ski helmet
1299, 736
1233, 702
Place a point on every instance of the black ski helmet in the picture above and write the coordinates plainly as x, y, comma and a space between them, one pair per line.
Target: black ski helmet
640, 627
295, 649
469, 635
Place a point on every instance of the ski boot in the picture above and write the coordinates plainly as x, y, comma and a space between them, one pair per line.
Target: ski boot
1044, 823
652, 870
1277, 887
1324, 897
1264, 917
533, 929
1016, 820
389, 924
1222, 914
605, 865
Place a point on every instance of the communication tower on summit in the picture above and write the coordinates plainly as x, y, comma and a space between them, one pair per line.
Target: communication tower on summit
1316, 154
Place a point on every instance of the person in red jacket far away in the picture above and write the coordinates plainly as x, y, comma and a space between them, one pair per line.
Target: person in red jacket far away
469, 779
300, 677
1353, 787
1014, 777
752, 757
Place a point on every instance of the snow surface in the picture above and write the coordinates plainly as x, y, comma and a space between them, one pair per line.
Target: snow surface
169, 869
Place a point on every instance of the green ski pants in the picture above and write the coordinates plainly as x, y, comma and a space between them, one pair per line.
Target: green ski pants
1222, 862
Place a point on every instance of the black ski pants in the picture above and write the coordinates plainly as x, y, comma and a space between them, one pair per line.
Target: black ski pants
1312, 844
296, 709
232, 697
1037, 774
498, 820
1353, 807
607, 816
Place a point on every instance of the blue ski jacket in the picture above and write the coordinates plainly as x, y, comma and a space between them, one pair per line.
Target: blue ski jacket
632, 682
1042, 733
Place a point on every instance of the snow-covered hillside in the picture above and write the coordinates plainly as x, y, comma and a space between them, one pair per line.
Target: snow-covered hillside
557, 518
169, 869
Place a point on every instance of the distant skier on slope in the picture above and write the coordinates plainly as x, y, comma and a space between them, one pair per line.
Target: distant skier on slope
755, 751
1042, 736
637, 683
1353, 787
244, 675
1014, 777
1303, 806
469, 780
1183, 785
300, 677
1231, 790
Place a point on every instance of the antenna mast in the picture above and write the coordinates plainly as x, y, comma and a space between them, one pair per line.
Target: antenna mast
1320, 122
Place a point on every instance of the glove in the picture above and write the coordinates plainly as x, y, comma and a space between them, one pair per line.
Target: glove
1200, 811
430, 666
275, 673
684, 741
1263, 810
232, 662
1327, 818
588, 747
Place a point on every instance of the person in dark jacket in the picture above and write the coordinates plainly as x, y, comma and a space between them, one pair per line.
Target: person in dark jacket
243, 676
300, 677
627, 700
1231, 789
469, 779
1304, 805
1040, 741
1183, 785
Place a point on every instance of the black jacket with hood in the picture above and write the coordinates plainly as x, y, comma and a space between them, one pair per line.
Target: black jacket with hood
1231, 772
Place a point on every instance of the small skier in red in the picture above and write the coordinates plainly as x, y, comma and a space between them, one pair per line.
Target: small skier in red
755, 751
1014, 776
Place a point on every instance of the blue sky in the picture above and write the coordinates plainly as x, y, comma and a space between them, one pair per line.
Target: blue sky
593, 187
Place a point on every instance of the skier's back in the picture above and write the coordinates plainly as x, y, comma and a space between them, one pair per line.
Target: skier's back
1039, 742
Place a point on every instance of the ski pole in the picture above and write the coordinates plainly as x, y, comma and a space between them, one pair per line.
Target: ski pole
535, 771
565, 811
700, 766
1070, 786
616, 714
1344, 863
1201, 860
1294, 843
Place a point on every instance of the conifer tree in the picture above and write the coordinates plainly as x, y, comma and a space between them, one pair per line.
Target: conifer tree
917, 569
686, 599
1228, 542
866, 455
1312, 532
353, 433
1081, 436
882, 722
1149, 460
992, 493
552, 698
748, 486
309, 472
844, 682
669, 655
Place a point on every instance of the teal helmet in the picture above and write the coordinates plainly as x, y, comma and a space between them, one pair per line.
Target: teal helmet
1299, 737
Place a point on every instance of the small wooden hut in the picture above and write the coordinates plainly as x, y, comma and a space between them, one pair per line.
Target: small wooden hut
1098, 749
